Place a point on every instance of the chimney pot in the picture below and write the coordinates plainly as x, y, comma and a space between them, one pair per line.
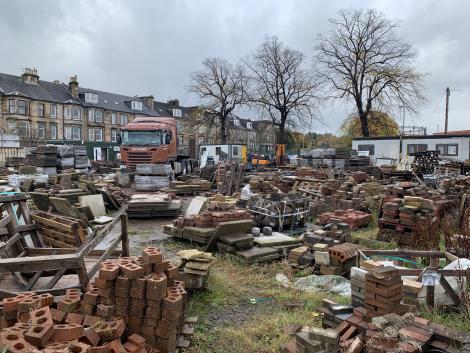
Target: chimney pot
30, 75
73, 86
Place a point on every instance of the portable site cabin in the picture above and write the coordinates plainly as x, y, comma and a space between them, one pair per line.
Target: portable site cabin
455, 145
212, 154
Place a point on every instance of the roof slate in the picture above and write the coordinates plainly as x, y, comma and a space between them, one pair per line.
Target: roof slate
45, 91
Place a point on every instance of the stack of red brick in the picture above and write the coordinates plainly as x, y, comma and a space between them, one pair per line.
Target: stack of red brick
212, 218
30, 323
354, 219
144, 292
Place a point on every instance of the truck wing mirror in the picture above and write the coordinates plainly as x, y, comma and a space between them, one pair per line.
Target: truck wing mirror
167, 138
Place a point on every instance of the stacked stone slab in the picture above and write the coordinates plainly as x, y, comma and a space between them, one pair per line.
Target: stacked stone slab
144, 292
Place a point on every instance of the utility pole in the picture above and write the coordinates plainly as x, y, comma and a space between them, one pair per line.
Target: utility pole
447, 110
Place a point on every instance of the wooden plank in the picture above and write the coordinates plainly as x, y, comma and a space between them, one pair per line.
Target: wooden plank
13, 198
58, 243
10, 243
66, 238
39, 263
5, 220
33, 280
65, 227
124, 235
53, 281
83, 274
27, 228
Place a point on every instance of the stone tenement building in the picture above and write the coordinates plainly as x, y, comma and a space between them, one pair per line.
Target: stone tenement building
41, 111
54, 112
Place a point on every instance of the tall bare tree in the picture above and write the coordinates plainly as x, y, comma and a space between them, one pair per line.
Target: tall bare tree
280, 86
221, 88
363, 60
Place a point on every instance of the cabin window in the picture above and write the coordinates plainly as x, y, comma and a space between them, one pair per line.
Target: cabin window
218, 151
369, 148
448, 149
235, 150
416, 147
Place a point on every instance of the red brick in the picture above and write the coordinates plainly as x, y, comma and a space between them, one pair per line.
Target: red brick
116, 347
122, 282
172, 302
348, 334
73, 292
138, 293
100, 349
110, 330
67, 332
41, 316
58, 316
131, 271
69, 304
102, 283
91, 296
105, 310
131, 348
90, 320
87, 308
38, 335
28, 304
161, 267
137, 340
11, 304
90, 336
152, 255
121, 292
109, 271
73, 318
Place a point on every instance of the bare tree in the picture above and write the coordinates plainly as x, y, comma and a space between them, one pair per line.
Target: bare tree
362, 59
221, 88
280, 87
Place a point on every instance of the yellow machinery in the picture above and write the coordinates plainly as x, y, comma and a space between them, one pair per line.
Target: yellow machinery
269, 155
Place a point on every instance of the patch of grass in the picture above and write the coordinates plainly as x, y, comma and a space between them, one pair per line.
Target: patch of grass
458, 320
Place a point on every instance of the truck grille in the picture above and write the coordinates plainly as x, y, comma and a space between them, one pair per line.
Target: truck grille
139, 157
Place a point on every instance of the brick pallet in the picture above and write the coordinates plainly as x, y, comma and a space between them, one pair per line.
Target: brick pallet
144, 292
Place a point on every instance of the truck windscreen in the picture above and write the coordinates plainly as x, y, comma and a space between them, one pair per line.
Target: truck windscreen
142, 138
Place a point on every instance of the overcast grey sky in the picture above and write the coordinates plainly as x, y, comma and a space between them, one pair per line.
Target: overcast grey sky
150, 47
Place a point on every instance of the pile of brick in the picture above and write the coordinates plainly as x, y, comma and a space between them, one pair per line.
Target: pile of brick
190, 186
311, 173
355, 219
296, 254
332, 233
31, 323
384, 291
216, 213
144, 292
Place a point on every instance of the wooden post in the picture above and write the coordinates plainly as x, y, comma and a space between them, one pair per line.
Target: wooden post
124, 235
430, 296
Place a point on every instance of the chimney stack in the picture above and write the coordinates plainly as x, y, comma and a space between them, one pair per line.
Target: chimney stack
30, 75
174, 102
148, 101
73, 86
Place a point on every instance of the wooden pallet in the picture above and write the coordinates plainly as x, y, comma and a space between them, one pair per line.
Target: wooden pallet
59, 231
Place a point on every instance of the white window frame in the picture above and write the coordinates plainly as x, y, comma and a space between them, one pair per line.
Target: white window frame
74, 130
136, 105
68, 132
98, 134
26, 125
113, 119
124, 119
177, 113
98, 116
91, 97
11, 106
53, 131
114, 133
91, 134
41, 111
68, 112
91, 115
42, 128
25, 107
53, 111
79, 115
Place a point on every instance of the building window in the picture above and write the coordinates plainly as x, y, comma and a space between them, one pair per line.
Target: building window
41, 110
91, 98
67, 112
416, 147
41, 130
53, 131
21, 107
23, 128
68, 132
249, 125
369, 148
123, 119
177, 113
98, 134
99, 116
218, 150
11, 106
114, 134
91, 134
76, 132
235, 150
53, 111
448, 149
113, 119
77, 114
136, 105
91, 115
